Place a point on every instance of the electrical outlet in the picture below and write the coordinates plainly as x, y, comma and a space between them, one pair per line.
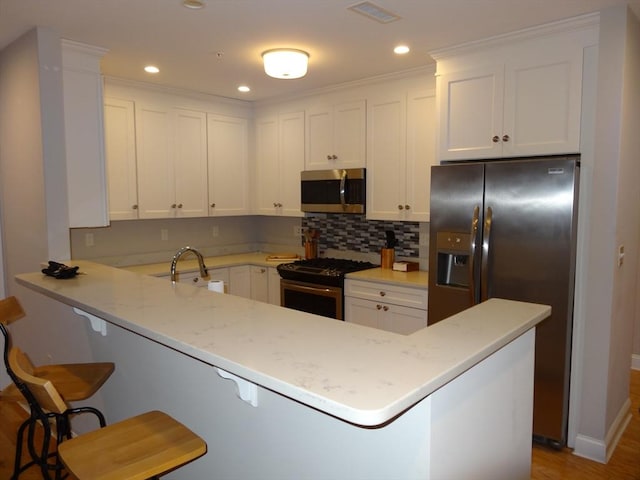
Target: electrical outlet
215, 231
164, 234
88, 239
298, 231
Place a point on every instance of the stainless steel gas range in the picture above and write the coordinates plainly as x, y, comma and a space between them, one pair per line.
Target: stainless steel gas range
317, 285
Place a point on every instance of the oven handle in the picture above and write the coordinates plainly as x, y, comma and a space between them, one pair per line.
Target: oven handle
315, 290
343, 189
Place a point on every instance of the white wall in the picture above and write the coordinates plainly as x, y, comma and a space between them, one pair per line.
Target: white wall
609, 308
34, 224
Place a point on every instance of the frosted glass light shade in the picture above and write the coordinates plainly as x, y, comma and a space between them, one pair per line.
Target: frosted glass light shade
286, 63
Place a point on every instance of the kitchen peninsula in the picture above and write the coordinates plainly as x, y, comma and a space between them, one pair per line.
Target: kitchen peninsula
323, 399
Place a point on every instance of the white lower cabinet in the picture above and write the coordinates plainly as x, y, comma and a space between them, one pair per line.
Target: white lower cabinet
240, 281
384, 306
274, 286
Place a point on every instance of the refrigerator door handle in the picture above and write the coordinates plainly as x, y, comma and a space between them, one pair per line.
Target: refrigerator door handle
486, 245
472, 257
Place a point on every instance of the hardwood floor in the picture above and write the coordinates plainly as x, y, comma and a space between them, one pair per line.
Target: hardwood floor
547, 464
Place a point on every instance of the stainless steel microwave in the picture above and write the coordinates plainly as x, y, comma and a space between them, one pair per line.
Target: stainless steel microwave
334, 191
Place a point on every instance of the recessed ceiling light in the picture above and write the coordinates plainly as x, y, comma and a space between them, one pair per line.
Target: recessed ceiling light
244, 89
193, 4
151, 69
401, 49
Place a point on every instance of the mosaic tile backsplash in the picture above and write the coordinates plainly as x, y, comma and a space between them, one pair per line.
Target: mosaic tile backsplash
355, 232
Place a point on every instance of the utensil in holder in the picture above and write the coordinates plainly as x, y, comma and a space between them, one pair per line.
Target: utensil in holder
387, 257
310, 249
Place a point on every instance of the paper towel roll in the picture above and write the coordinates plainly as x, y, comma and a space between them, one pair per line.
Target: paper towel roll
216, 286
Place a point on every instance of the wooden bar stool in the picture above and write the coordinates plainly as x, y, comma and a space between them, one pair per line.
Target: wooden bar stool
139, 448
73, 381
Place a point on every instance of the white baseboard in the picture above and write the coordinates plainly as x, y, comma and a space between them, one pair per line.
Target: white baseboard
635, 361
599, 450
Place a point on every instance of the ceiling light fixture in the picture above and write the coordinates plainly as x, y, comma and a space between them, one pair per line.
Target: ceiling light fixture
151, 69
244, 89
401, 50
286, 63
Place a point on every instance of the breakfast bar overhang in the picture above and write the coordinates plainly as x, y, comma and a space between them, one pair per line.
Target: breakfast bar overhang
281, 394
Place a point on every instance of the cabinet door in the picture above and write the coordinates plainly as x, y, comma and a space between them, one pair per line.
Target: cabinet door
228, 165
471, 114
319, 139
349, 134
120, 151
268, 167
291, 159
259, 283
154, 152
240, 281
362, 312
542, 103
190, 163
274, 286
421, 153
402, 320
386, 157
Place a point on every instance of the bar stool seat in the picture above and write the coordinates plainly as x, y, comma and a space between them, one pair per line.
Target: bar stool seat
74, 381
138, 448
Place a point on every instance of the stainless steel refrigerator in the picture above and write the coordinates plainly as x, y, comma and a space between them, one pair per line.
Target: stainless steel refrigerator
507, 229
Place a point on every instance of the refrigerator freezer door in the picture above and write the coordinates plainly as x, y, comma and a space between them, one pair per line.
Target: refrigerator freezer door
455, 235
531, 257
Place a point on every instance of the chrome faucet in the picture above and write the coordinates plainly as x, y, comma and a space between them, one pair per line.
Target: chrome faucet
182, 251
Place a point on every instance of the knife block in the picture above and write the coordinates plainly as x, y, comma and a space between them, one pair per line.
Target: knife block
387, 257
310, 249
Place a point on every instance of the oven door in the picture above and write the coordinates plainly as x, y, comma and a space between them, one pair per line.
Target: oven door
312, 298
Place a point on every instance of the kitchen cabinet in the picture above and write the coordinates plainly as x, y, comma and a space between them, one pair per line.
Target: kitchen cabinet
171, 148
120, 152
274, 286
517, 100
259, 283
240, 281
384, 306
280, 159
228, 165
86, 183
401, 137
335, 136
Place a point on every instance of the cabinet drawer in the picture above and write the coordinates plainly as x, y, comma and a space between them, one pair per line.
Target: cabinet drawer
404, 296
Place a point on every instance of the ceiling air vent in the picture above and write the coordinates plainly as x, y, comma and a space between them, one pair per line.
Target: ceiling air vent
374, 12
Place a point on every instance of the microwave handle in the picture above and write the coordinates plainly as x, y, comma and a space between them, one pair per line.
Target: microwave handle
343, 186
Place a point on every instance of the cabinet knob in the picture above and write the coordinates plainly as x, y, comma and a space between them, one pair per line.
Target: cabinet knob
505, 138
495, 139
179, 205
279, 205
195, 279
334, 157
378, 306
134, 207
263, 270
385, 308
382, 294
213, 205
400, 207
407, 207
173, 205
328, 157
275, 205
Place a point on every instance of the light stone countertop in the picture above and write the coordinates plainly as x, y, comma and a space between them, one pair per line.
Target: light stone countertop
362, 375
417, 279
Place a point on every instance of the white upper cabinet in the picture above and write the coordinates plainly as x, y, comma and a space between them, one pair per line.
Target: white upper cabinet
120, 150
517, 96
84, 135
279, 159
401, 133
336, 136
171, 149
228, 165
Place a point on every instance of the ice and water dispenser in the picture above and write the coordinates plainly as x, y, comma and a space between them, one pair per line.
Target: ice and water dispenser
454, 259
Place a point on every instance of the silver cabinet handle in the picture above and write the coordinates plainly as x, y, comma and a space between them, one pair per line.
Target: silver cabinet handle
472, 254
486, 245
